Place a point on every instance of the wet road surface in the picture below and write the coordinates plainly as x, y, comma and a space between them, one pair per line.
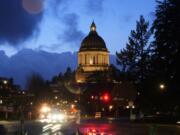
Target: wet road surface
109, 127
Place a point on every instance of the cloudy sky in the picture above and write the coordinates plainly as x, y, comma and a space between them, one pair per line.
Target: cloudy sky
60, 25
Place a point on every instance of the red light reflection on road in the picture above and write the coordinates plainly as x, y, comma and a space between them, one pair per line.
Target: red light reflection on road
97, 129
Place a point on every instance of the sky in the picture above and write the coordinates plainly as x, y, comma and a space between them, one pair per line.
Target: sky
60, 25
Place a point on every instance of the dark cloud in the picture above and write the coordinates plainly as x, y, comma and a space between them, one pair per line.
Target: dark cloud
16, 24
71, 33
94, 6
58, 7
49, 47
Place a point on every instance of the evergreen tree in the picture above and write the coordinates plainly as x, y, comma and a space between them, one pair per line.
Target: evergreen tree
167, 38
134, 58
166, 47
68, 74
37, 85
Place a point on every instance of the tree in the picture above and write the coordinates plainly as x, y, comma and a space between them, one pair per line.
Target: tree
37, 85
165, 57
69, 74
167, 39
134, 57
57, 78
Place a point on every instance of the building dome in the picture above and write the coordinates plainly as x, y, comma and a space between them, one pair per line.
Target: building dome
93, 42
93, 57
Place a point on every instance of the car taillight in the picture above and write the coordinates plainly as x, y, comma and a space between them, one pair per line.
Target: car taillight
95, 132
92, 132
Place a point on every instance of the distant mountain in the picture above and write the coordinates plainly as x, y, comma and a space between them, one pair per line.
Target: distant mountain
28, 61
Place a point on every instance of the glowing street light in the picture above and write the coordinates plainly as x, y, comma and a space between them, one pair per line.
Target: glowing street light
110, 107
130, 107
162, 86
5, 81
72, 106
92, 97
45, 109
1, 101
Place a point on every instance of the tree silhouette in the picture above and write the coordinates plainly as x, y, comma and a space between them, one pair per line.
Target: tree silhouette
37, 85
134, 58
167, 40
165, 58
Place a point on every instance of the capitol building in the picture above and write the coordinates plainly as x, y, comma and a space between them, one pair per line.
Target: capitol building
93, 57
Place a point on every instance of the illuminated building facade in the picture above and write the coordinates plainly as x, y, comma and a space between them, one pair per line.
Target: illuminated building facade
93, 56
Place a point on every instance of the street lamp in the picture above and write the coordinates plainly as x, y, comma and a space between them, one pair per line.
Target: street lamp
56, 97
131, 106
45, 108
162, 86
5, 81
72, 106
110, 107
1, 102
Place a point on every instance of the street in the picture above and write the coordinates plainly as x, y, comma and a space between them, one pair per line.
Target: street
110, 127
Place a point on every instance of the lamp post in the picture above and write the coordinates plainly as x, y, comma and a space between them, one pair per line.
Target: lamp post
131, 106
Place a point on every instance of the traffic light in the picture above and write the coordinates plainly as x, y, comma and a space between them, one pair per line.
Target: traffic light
105, 97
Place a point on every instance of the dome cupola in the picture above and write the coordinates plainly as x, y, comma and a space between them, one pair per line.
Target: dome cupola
93, 27
93, 57
93, 42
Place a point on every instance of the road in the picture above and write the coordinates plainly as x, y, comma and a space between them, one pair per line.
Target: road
110, 127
